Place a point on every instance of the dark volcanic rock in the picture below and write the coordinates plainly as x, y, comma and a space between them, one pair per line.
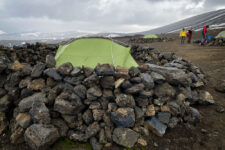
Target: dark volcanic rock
4, 103
123, 117
92, 130
37, 84
61, 125
125, 137
66, 107
135, 89
156, 126
95, 145
53, 74
124, 100
37, 70
164, 117
77, 136
165, 90
40, 113
23, 119
65, 69
105, 70
173, 75
93, 93
40, 137
148, 80
26, 103
88, 117
50, 61
81, 91
107, 82
76, 71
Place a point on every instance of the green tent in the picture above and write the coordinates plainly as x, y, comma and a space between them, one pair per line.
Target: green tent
151, 36
93, 51
221, 35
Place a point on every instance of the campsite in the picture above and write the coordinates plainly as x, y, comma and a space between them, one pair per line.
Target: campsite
145, 87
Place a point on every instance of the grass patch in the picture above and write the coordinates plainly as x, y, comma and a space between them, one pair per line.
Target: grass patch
66, 144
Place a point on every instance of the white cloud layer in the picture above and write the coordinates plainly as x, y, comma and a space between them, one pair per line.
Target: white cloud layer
97, 15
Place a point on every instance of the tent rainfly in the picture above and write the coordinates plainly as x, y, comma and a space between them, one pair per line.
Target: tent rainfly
221, 35
90, 52
151, 36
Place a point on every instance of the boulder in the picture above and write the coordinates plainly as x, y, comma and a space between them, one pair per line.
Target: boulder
40, 113
135, 89
93, 93
205, 98
76, 71
92, 130
16, 66
77, 136
138, 112
5, 103
157, 77
165, 90
24, 83
94, 144
164, 117
172, 75
156, 126
50, 72
97, 114
74, 80
123, 117
81, 91
65, 107
87, 117
50, 61
124, 100
61, 126
105, 70
147, 80
26, 103
24, 120
125, 137
65, 69
36, 84
107, 82
37, 70
40, 137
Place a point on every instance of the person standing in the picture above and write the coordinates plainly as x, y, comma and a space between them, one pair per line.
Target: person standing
204, 31
189, 35
183, 35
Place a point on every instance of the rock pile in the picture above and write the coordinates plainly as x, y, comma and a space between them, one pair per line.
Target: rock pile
107, 104
149, 40
216, 42
29, 53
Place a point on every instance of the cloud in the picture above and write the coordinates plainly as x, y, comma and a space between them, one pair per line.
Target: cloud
97, 15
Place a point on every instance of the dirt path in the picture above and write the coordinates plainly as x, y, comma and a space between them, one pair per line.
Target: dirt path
210, 133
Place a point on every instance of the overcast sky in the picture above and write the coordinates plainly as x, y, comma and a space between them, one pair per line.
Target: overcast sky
97, 15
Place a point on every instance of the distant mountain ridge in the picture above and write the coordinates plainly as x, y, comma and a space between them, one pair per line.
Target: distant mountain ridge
215, 19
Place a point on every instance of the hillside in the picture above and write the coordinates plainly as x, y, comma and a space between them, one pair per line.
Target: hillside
216, 19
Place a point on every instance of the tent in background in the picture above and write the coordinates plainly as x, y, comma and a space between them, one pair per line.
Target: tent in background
93, 51
221, 35
151, 36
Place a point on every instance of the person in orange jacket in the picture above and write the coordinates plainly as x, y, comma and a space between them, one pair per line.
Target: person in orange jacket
183, 35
